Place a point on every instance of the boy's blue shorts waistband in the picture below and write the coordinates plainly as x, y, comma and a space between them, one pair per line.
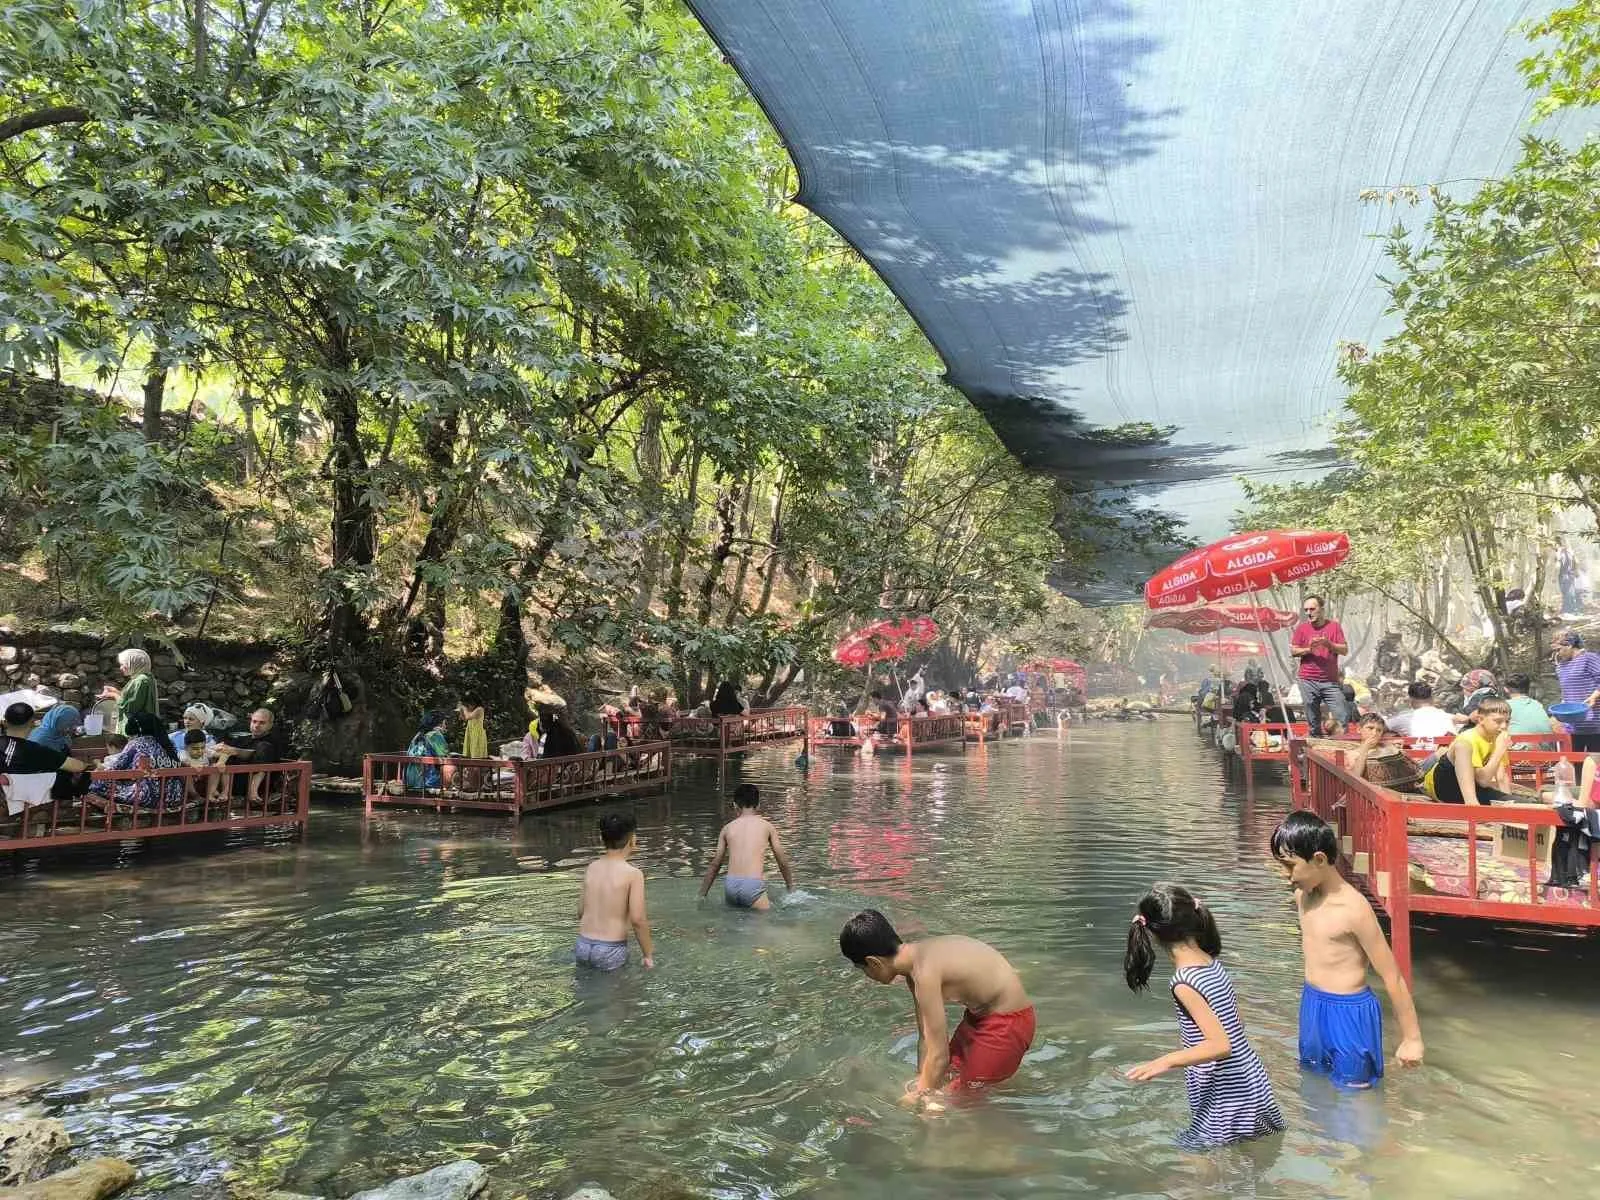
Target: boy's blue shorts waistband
1361, 997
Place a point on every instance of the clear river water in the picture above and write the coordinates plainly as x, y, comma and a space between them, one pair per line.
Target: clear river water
383, 996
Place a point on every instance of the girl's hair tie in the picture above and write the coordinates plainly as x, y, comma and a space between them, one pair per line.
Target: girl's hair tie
1138, 919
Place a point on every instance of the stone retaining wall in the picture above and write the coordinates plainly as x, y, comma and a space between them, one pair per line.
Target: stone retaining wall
234, 676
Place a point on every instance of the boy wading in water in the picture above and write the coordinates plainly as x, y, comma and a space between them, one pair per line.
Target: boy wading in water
613, 901
1341, 1024
743, 846
997, 1028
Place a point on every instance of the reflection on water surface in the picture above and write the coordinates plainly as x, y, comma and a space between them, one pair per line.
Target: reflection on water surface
383, 996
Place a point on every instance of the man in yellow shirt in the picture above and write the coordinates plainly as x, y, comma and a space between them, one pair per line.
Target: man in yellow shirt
1475, 770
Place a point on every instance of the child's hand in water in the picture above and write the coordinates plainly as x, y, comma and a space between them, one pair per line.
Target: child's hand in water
649, 963
1409, 1052
1149, 1070
916, 1097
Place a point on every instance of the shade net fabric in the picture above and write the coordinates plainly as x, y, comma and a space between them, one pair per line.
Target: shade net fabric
1110, 213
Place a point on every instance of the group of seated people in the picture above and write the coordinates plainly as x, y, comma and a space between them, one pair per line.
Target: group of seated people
40, 746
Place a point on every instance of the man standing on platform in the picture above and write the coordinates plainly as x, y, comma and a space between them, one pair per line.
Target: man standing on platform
1579, 672
1318, 642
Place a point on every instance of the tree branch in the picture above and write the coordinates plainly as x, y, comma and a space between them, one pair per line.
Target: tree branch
43, 118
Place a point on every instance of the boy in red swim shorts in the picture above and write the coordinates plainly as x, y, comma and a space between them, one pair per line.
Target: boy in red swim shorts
995, 1031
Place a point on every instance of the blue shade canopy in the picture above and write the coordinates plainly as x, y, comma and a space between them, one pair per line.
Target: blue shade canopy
1105, 212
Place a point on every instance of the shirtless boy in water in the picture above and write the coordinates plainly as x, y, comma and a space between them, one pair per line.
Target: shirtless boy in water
743, 845
1341, 1024
995, 1031
613, 901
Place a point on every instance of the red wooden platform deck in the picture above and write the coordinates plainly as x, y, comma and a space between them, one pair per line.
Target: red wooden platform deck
182, 801
512, 786
1016, 716
984, 727
736, 734
1383, 850
1524, 743
911, 733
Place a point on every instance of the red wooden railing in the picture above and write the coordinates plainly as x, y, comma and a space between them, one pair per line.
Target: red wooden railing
1015, 715
511, 785
549, 782
729, 735
984, 726
181, 800
474, 784
918, 733
1375, 840
911, 733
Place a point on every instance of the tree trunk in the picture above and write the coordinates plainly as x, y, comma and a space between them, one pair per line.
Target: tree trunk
685, 536
354, 524
155, 393
736, 590
648, 455
774, 561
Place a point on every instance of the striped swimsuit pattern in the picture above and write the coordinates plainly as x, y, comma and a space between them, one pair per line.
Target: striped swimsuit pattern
1230, 1100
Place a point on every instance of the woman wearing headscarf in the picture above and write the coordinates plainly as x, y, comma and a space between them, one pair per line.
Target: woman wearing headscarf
197, 716
56, 727
726, 702
138, 694
55, 730
429, 741
560, 738
148, 749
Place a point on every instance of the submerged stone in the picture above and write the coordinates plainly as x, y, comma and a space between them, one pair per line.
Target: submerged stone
27, 1147
93, 1180
453, 1181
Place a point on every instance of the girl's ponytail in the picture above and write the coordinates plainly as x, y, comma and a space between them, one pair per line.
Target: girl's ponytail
1207, 936
1167, 914
1140, 957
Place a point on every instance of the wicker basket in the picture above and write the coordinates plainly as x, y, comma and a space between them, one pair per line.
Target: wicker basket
1391, 768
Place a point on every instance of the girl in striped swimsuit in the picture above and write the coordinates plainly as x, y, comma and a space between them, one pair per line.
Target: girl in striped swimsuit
1230, 1096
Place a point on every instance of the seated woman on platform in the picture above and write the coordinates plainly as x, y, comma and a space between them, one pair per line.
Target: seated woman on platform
429, 741
148, 749
560, 739
196, 716
840, 725
726, 701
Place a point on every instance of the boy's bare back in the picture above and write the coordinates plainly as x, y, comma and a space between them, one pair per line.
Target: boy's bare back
748, 836
967, 972
1332, 921
613, 893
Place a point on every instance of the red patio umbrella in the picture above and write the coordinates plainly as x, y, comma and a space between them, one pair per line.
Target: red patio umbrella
1227, 648
1243, 563
1065, 666
1215, 617
884, 641
1059, 666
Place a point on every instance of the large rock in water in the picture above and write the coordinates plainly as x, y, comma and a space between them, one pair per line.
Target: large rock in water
453, 1181
590, 1191
93, 1180
27, 1148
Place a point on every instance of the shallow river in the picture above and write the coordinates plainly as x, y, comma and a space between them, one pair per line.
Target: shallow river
382, 997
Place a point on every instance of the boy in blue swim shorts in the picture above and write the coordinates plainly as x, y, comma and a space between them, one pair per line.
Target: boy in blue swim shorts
743, 844
1341, 1024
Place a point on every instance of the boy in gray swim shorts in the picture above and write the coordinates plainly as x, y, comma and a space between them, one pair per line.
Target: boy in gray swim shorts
613, 901
743, 845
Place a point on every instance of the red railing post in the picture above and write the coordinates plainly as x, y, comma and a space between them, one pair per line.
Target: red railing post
1398, 866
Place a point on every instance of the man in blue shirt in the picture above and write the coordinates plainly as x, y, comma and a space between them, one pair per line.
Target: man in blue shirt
1579, 672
